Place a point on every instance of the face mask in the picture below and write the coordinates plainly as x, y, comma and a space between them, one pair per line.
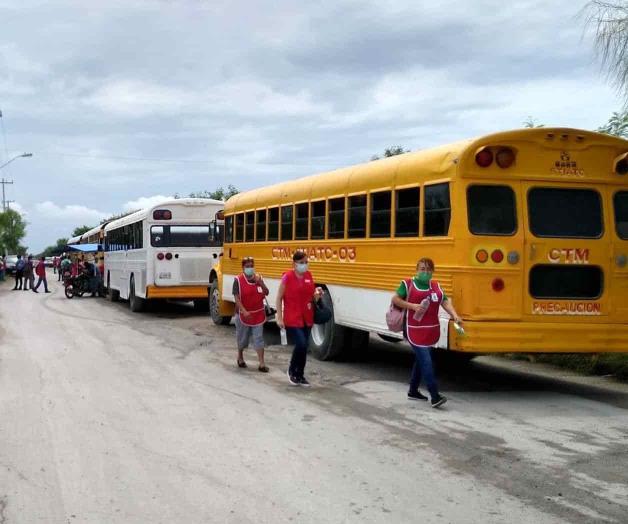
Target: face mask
301, 267
249, 271
424, 277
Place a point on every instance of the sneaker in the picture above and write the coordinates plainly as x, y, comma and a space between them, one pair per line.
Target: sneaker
438, 401
34, 291
294, 381
415, 395
47, 291
304, 382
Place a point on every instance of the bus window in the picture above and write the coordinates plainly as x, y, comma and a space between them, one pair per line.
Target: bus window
260, 232
273, 223
407, 209
301, 221
380, 214
239, 229
180, 236
491, 210
249, 228
357, 216
336, 218
437, 210
229, 229
621, 214
565, 213
318, 220
286, 222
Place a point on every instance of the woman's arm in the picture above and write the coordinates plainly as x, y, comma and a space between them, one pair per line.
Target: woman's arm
239, 307
260, 282
403, 304
449, 307
279, 305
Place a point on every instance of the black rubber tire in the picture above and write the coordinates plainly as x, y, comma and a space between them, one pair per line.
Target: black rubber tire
112, 294
388, 338
214, 305
335, 341
69, 291
201, 305
136, 304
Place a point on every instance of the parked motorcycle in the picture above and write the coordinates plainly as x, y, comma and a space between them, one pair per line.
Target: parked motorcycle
76, 286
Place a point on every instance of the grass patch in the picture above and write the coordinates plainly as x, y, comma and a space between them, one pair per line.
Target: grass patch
615, 364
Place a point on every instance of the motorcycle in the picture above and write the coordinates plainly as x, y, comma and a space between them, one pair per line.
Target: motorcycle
76, 286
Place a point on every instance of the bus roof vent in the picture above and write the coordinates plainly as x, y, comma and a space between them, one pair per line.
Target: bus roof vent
549, 136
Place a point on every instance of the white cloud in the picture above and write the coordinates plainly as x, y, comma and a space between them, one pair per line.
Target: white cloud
16, 206
144, 202
77, 213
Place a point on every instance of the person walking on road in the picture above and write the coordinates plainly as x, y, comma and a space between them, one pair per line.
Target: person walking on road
29, 276
249, 291
55, 265
19, 273
65, 266
295, 313
422, 297
41, 273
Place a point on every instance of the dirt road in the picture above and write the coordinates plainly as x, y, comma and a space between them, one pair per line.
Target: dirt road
113, 417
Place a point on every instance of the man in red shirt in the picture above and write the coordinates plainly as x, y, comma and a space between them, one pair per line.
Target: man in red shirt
40, 271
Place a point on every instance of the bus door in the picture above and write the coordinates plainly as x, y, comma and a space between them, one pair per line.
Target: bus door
566, 255
618, 230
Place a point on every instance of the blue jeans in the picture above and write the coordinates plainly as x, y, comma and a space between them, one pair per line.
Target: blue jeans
423, 369
301, 337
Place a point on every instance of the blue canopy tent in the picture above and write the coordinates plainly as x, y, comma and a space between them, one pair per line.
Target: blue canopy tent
85, 248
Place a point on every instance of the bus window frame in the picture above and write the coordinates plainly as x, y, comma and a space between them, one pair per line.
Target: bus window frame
281, 208
327, 210
257, 224
515, 210
246, 225
268, 212
614, 213
423, 211
394, 205
312, 202
294, 219
391, 192
366, 215
236, 239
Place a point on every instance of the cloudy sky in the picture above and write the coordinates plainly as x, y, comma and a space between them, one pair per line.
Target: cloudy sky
122, 101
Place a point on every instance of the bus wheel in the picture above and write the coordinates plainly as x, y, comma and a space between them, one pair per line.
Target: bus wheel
135, 303
214, 305
201, 305
327, 341
112, 294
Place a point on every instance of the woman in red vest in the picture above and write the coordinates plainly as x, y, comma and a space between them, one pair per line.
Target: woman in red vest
249, 292
422, 297
295, 313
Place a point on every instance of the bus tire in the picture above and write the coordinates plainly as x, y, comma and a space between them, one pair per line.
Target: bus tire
112, 294
201, 305
327, 341
135, 303
214, 305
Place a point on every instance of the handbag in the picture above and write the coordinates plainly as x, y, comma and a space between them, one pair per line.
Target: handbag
269, 311
322, 314
394, 318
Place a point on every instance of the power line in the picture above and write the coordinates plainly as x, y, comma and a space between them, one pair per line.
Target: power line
4, 200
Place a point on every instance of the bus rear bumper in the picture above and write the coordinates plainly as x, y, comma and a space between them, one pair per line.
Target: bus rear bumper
534, 337
177, 292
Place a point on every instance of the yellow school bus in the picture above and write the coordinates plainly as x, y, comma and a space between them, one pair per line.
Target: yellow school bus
528, 230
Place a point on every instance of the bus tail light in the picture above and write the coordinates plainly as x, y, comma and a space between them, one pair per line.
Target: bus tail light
621, 164
498, 284
160, 256
484, 157
481, 256
497, 256
505, 157
168, 256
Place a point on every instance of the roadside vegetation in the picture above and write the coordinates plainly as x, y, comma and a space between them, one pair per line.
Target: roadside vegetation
605, 364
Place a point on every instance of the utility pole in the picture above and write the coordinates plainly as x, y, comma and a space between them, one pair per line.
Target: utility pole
4, 200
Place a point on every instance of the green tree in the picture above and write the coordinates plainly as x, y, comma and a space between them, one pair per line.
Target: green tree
56, 249
617, 125
80, 230
609, 20
391, 151
220, 193
12, 231
531, 123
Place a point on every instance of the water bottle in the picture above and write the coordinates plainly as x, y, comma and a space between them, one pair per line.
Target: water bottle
284, 337
459, 329
418, 315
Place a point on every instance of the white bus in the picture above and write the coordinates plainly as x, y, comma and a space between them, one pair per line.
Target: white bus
164, 252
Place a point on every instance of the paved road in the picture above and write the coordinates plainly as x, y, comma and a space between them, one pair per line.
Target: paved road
107, 416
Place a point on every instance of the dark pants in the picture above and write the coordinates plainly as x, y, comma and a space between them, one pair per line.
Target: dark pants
19, 277
423, 369
301, 337
42, 279
29, 281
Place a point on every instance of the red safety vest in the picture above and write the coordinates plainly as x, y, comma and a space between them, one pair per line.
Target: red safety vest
252, 298
424, 332
298, 310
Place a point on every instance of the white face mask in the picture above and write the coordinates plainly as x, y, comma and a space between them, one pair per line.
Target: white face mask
301, 267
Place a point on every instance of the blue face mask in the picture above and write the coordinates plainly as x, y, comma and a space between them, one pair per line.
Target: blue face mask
249, 271
301, 267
